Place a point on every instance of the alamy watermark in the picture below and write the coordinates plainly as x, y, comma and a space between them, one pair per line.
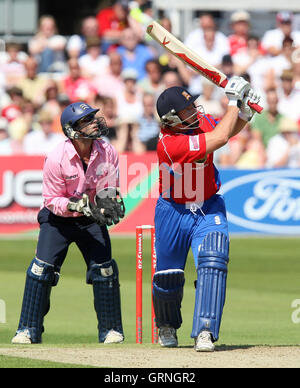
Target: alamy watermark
176, 180
2, 311
296, 313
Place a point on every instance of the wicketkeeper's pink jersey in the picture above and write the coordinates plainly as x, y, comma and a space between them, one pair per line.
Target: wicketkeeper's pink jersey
64, 176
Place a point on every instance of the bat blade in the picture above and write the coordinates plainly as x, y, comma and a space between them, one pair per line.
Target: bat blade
189, 57
185, 54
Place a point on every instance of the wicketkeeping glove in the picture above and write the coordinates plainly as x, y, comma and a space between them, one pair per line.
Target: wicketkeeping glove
111, 204
84, 206
236, 89
246, 113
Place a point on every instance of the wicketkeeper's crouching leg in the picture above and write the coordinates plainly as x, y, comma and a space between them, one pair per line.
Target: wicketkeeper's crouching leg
210, 290
167, 297
40, 278
107, 301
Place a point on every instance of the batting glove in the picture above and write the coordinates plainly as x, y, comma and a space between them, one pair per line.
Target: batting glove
246, 113
235, 90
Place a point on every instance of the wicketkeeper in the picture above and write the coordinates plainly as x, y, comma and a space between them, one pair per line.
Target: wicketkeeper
189, 212
80, 198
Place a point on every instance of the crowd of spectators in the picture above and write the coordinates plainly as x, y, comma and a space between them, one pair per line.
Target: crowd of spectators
112, 64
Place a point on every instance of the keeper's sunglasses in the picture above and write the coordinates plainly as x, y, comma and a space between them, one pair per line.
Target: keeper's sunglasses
81, 123
101, 130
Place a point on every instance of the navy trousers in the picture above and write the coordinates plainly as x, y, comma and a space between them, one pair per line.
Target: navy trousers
57, 233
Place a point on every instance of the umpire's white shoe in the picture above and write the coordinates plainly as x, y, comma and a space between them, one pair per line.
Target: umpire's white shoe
167, 337
22, 337
203, 343
114, 337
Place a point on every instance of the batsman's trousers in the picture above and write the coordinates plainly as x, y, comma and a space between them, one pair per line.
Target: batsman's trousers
178, 229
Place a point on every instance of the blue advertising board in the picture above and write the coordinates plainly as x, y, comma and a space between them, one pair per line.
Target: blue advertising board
262, 201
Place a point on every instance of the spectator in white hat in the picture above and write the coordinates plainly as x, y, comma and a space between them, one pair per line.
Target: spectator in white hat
284, 149
272, 39
289, 96
129, 110
240, 26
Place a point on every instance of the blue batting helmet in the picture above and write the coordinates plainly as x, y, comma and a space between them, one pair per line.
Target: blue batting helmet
175, 98
172, 101
74, 113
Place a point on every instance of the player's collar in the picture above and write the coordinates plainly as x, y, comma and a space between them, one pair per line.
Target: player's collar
166, 131
190, 132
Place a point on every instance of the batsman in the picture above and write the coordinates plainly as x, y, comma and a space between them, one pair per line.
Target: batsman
80, 198
190, 213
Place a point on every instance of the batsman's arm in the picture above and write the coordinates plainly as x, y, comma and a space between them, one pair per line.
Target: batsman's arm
246, 113
240, 94
224, 130
238, 127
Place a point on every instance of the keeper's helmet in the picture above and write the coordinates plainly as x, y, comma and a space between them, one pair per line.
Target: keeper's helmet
77, 116
174, 100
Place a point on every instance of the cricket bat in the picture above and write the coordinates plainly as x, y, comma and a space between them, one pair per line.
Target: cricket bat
189, 57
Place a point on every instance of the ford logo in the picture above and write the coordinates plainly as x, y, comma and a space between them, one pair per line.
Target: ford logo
267, 201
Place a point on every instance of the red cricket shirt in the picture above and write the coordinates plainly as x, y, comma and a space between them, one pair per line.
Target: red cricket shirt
185, 174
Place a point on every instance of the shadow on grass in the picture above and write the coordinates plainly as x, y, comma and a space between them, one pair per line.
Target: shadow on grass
224, 348
228, 348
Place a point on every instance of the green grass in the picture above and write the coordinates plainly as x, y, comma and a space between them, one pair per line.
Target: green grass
263, 281
19, 362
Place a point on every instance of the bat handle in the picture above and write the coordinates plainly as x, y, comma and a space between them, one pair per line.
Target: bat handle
256, 107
